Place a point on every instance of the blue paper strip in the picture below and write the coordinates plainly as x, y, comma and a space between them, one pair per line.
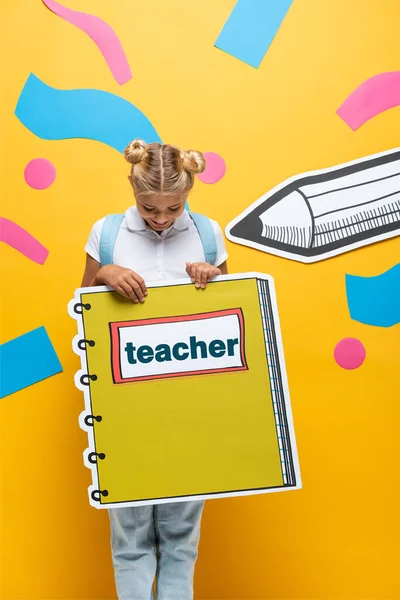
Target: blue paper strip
251, 27
54, 114
26, 360
375, 300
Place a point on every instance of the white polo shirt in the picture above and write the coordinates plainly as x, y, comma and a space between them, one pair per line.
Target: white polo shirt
156, 256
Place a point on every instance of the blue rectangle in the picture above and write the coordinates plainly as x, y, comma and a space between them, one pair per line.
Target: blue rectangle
26, 360
251, 27
375, 300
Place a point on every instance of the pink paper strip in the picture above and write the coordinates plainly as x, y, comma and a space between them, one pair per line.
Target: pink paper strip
13, 235
373, 96
103, 36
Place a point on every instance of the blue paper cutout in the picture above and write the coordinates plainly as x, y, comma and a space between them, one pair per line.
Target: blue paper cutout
54, 114
251, 27
375, 300
26, 360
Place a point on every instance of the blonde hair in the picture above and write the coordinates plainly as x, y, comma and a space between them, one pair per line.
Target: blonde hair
161, 168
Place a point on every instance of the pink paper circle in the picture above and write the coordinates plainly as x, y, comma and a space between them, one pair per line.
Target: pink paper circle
40, 173
349, 353
215, 169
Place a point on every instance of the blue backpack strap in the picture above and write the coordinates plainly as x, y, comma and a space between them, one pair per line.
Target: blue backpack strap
207, 236
108, 238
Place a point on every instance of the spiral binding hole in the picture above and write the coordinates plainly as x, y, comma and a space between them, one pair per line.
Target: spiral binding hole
96, 494
86, 378
92, 457
82, 306
89, 419
83, 343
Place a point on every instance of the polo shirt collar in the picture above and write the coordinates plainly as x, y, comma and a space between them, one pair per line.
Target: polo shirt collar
135, 222
182, 222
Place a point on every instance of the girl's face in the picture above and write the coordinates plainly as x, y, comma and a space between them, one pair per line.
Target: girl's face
159, 211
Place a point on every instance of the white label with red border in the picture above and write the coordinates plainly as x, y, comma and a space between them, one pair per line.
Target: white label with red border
178, 346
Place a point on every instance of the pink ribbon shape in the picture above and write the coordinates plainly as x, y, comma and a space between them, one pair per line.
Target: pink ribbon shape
103, 36
18, 238
373, 96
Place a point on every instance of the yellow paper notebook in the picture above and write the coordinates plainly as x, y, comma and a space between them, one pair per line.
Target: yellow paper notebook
186, 395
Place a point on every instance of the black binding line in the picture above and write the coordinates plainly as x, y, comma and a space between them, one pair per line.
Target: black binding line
89, 419
81, 306
96, 494
82, 344
92, 457
86, 378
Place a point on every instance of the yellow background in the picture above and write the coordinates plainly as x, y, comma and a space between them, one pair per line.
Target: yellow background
339, 536
205, 431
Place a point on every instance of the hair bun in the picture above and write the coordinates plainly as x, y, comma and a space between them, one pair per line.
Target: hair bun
136, 151
193, 161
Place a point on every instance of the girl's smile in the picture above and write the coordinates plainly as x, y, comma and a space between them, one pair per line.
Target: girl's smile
159, 226
159, 210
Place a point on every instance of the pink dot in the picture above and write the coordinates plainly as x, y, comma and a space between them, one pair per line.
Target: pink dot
40, 173
215, 169
349, 353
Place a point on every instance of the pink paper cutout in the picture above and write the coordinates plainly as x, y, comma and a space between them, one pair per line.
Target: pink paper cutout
103, 36
349, 353
18, 238
215, 169
373, 96
40, 173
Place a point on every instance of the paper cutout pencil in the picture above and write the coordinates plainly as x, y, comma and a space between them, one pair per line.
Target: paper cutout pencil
323, 213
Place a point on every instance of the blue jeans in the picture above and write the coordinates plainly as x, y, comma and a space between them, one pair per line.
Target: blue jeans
155, 541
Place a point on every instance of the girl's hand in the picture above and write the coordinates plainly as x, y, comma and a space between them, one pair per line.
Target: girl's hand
200, 273
124, 281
